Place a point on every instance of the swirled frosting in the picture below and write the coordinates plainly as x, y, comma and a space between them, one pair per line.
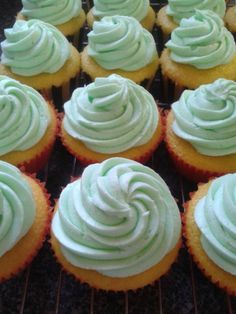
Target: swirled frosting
33, 47
55, 12
202, 41
206, 118
120, 42
137, 9
17, 208
216, 219
180, 9
24, 116
118, 219
111, 115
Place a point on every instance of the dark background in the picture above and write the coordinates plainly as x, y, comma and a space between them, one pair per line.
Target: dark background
44, 289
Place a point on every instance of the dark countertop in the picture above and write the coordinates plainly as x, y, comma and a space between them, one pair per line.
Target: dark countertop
44, 289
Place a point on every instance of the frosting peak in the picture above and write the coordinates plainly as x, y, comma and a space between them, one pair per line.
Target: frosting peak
137, 9
33, 47
215, 216
120, 42
180, 9
118, 219
55, 12
24, 116
17, 208
206, 117
111, 115
202, 41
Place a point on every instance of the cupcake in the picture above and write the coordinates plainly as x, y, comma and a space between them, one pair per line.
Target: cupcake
37, 54
118, 227
111, 117
200, 51
169, 16
28, 125
201, 131
139, 9
119, 44
67, 16
24, 216
210, 230
230, 19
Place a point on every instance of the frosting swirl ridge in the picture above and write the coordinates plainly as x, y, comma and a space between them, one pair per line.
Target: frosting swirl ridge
54, 12
180, 9
137, 9
33, 47
17, 208
206, 118
120, 42
24, 116
111, 115
118, 219
202, 41
215, 217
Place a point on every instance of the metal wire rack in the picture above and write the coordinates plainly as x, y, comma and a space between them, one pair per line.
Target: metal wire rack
43, 288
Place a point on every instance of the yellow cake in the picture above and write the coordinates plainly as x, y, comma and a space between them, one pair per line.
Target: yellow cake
129, 50
192, 233
111, 117
32, 66
30, 127
18, 256
126, 266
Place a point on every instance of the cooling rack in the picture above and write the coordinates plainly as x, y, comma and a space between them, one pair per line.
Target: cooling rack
43, 288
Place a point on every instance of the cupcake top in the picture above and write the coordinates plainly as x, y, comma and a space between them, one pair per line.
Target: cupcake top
206, 118
137, 9
118, 219
180, 9
24, 116
33, 47
202, 41
55, 12
111, 115
120, 42
17, 208
215, 216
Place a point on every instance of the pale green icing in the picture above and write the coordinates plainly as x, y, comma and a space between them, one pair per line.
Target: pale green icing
206, 118
118, 219
24, 116
120, 42
180, 9
216, 219
17, 208
202, 41
33, 47
55, 12
111, 115
137, 9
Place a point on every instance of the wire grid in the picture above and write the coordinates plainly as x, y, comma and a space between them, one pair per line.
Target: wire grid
44, 288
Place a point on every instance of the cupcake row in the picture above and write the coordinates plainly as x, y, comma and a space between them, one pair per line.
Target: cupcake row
114, 117
199, 51
118, 227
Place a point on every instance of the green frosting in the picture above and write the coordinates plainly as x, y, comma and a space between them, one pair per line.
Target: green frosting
51, 11
111, 115
24, 116
206, 118
180, 9
17, 208
33, 47
137, 9
202, 41
120, 42
216, 219
118, 219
